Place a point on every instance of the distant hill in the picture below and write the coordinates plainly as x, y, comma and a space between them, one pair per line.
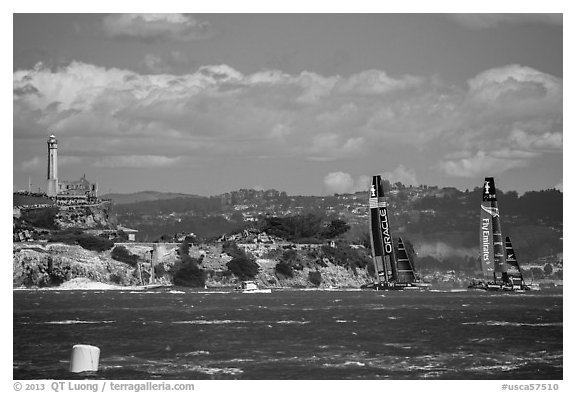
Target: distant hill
143, 196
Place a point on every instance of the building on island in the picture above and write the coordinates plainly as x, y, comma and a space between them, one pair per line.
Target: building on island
67, 192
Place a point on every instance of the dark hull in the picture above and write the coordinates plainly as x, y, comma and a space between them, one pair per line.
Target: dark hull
492, 286
396, 286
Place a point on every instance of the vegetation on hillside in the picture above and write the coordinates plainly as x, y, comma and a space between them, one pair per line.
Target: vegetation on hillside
241, 265
121, 254
86, 241
188, 271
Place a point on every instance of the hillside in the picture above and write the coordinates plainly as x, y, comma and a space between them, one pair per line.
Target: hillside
441, 223
120, 199
285, 240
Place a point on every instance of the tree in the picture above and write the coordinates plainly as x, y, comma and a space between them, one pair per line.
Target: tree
284, 269
121, 254
241, 264
548, 269
188, 272
537, 273
334, 229
315, 278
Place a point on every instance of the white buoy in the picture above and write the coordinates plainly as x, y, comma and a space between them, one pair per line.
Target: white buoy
84, 358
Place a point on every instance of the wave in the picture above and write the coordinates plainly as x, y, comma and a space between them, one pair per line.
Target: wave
193, 353
506, 323
74, 322
290, 322
210, 322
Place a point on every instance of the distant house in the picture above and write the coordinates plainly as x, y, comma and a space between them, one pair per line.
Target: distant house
130, 232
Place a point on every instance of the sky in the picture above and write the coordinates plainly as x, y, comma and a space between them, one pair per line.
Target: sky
310, 104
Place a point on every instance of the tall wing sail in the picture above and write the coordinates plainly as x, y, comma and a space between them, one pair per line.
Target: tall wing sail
512, 265
491, 245
380, 237
405, 266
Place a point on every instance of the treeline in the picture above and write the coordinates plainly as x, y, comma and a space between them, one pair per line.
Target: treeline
307, 228
546, 204
205, 228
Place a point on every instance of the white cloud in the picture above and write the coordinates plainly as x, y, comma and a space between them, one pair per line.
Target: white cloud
155, 27
218, 111
548, 141
484, 21
332, 146
515, 84
343, 183
401, 174
494, 162
375, 82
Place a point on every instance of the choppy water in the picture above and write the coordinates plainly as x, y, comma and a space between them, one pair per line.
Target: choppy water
184, 334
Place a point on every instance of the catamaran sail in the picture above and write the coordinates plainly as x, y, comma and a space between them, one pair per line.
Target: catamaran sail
499, 265
492, 248
380, 237
392, 271
513, 274
405, 267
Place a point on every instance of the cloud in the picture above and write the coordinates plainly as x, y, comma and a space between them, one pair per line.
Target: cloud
143, 161
343, 183
515, 85
503, 119
32, 164
494, 162
485, 21
155, 27
401, 174
548, 141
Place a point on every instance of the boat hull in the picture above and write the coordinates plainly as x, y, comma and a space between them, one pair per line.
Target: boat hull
256, 291
397, 286
491, 286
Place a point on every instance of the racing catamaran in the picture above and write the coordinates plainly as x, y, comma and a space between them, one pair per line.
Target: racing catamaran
393, 271
500, 268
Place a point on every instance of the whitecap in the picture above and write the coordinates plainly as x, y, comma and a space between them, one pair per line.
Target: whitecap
516, 324
290, 322
74, 321
209, 322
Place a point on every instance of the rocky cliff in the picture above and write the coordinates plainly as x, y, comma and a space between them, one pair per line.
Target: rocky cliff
38, 264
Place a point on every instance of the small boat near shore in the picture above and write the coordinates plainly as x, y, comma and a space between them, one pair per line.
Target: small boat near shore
251, 287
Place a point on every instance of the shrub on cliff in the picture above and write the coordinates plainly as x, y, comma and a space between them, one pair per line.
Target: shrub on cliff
187, 271
94, 243
77, 237
47, 272
242, 265
190, 275
284, 269
315, 278
334, 228
344, 255
42, 218
121, 254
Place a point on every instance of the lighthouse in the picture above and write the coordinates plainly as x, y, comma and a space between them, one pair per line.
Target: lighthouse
52, 178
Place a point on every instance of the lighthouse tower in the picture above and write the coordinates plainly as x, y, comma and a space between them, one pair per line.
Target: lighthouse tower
52, 181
